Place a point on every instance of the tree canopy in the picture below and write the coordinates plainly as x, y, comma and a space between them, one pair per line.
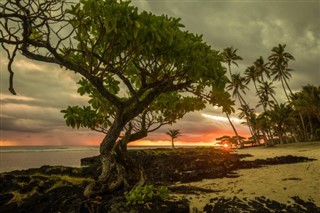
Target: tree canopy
128, 57
132, 63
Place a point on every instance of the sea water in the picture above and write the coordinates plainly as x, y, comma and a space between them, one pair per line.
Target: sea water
25, 157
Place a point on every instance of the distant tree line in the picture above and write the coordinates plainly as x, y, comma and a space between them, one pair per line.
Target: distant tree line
296, 119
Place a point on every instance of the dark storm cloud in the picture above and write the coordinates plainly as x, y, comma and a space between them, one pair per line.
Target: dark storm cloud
46, 83
23, 125
254, 27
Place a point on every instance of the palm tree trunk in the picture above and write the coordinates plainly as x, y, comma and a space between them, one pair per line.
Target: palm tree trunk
274, 98
280, 135
172, 143
311, 128
284, 89
235, 131
251, 128
270, 135
304, 134
229, 66
301, 119
285, 81
242, 101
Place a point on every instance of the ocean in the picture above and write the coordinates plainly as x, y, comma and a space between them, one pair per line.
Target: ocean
25, 157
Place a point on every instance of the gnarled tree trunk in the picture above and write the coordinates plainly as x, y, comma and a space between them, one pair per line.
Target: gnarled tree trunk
119, 171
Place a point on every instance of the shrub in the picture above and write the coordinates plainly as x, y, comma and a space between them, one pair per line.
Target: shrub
141, 195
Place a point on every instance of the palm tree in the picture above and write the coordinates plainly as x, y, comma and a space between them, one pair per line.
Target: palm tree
230, 56
261, 69
226, 103
307, 104
263, 124
265, 90
173, 133
249, 114
237, 85
251, 74
279, 60
279, 117
265, 101
297, 103
311, 96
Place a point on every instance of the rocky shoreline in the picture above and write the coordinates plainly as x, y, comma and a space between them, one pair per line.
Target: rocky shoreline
60, 189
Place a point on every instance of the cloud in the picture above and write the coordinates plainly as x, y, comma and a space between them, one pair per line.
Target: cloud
253, 27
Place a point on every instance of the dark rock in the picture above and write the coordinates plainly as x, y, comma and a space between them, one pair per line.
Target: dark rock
43, 191
259, 204
4, 198
90, 161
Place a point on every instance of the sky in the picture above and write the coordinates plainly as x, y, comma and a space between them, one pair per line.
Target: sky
33, 117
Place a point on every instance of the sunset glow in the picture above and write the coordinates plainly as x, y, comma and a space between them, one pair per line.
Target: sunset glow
168, 143
7, 143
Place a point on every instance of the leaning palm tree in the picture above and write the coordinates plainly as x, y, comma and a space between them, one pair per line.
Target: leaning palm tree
238, 86
266, 89
249, 114
251, 74
173, 133
230, 56
261, 69
227, 107
279, 60
265, 102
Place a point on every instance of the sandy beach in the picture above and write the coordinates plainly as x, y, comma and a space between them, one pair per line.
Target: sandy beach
276, 182
201, 179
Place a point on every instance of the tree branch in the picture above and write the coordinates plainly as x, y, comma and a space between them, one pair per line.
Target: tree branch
11, 73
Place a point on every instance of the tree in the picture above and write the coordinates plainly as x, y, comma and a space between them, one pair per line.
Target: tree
261, 69
230, 57
265, 90
264, 125
253, 74
279, 116
127, 60
228, 109
279, 60
165, 109
307, 105
224, 100
173, 133
237, 85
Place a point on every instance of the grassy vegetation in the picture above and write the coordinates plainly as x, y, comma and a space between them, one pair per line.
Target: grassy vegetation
70, 179
43, 183
18, 197
142, 195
